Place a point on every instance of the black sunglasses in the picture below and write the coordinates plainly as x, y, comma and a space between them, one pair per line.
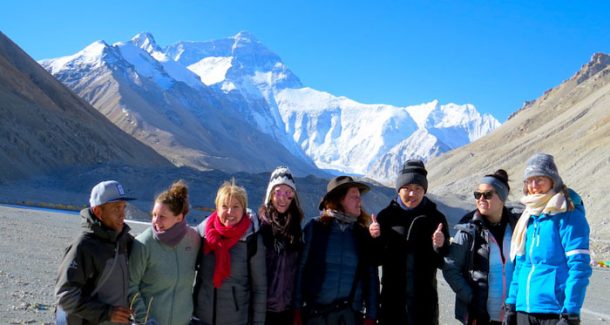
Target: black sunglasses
486, 195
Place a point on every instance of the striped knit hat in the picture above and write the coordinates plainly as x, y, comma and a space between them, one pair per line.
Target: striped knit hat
281, 175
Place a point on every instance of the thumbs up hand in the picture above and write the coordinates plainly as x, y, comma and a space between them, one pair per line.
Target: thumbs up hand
438, 237
374, 228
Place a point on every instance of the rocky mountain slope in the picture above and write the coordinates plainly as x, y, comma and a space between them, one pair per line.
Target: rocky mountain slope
46, 128
570, 121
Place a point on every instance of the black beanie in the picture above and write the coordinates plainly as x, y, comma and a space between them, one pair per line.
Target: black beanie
412, 172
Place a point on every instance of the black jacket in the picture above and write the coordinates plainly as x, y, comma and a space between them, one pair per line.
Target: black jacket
467, 265
410, 262
97, 259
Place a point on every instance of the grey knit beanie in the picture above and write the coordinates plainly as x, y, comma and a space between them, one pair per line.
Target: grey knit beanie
541, 164
412, 172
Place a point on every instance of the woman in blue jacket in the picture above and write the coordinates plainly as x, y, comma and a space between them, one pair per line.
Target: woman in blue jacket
550, 246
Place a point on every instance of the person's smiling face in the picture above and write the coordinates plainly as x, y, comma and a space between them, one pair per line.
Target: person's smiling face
230, 212
281, 197
411, 195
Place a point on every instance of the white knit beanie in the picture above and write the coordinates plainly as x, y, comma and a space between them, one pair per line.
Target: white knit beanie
281, 175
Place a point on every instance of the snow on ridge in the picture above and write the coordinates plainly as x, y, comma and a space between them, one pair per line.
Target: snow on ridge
146, 42
89, 56
164, 66
420, 113
144, 64
212, 70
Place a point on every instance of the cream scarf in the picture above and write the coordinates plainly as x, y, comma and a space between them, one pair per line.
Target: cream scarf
535, 204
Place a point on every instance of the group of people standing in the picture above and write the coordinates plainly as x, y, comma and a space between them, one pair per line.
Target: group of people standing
243, 267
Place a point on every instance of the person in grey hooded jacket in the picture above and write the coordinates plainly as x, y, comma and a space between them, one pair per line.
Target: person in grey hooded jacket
231, 282
92, 281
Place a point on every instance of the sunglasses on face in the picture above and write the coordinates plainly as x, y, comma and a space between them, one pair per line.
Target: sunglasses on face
279, 193
486, 195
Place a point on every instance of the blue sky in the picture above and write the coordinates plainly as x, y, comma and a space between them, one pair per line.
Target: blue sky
493, 54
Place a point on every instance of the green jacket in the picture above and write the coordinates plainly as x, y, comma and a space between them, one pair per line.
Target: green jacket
163, 277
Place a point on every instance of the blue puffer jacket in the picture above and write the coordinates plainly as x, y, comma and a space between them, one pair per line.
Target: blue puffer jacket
553, 274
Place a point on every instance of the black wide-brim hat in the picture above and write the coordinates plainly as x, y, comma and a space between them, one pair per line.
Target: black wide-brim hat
341, 182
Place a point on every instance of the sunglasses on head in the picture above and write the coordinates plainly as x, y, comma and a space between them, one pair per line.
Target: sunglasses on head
486, 195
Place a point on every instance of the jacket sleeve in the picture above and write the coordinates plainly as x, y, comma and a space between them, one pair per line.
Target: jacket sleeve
455, 265
258, 272
138, 262
574, 232
77, 272
298, 290
380, 243
513, 289
372, 291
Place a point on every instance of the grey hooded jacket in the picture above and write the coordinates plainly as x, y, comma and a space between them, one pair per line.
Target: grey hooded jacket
242, 297
93, 275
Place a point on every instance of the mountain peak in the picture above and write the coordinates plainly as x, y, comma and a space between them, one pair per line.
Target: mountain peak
145, 41
245, 36
598, 62
94, 49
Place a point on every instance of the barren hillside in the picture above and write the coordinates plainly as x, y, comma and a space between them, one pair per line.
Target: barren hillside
46, 128
570, 122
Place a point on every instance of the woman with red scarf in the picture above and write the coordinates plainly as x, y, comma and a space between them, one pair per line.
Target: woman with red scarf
231, 285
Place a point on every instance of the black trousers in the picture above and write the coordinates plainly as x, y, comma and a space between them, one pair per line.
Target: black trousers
536, 319
279, 318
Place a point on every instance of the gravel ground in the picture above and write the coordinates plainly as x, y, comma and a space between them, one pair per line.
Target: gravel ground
33, 242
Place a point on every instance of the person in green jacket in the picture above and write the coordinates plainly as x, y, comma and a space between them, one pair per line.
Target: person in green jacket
162, 263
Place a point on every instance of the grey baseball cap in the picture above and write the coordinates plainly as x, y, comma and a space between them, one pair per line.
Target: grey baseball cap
107, 191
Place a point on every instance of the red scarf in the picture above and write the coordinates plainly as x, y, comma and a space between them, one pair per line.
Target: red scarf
219, 239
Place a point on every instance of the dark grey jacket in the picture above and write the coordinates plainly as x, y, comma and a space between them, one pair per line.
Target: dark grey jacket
242, 297
93, 275
473, 255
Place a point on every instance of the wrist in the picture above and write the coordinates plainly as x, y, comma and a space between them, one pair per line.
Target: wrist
569, 317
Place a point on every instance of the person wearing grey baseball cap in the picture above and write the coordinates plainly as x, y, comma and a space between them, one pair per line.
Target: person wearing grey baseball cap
92, 285
550, 249
476, 267
107, 191
413, 237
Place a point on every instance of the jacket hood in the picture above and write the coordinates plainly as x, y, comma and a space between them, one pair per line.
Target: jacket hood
91, 224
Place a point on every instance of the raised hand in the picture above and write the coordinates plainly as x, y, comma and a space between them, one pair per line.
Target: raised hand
438, 237
374, 228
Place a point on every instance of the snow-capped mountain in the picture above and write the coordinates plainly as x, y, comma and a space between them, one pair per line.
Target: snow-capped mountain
165, 105
374, 140
239, 78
